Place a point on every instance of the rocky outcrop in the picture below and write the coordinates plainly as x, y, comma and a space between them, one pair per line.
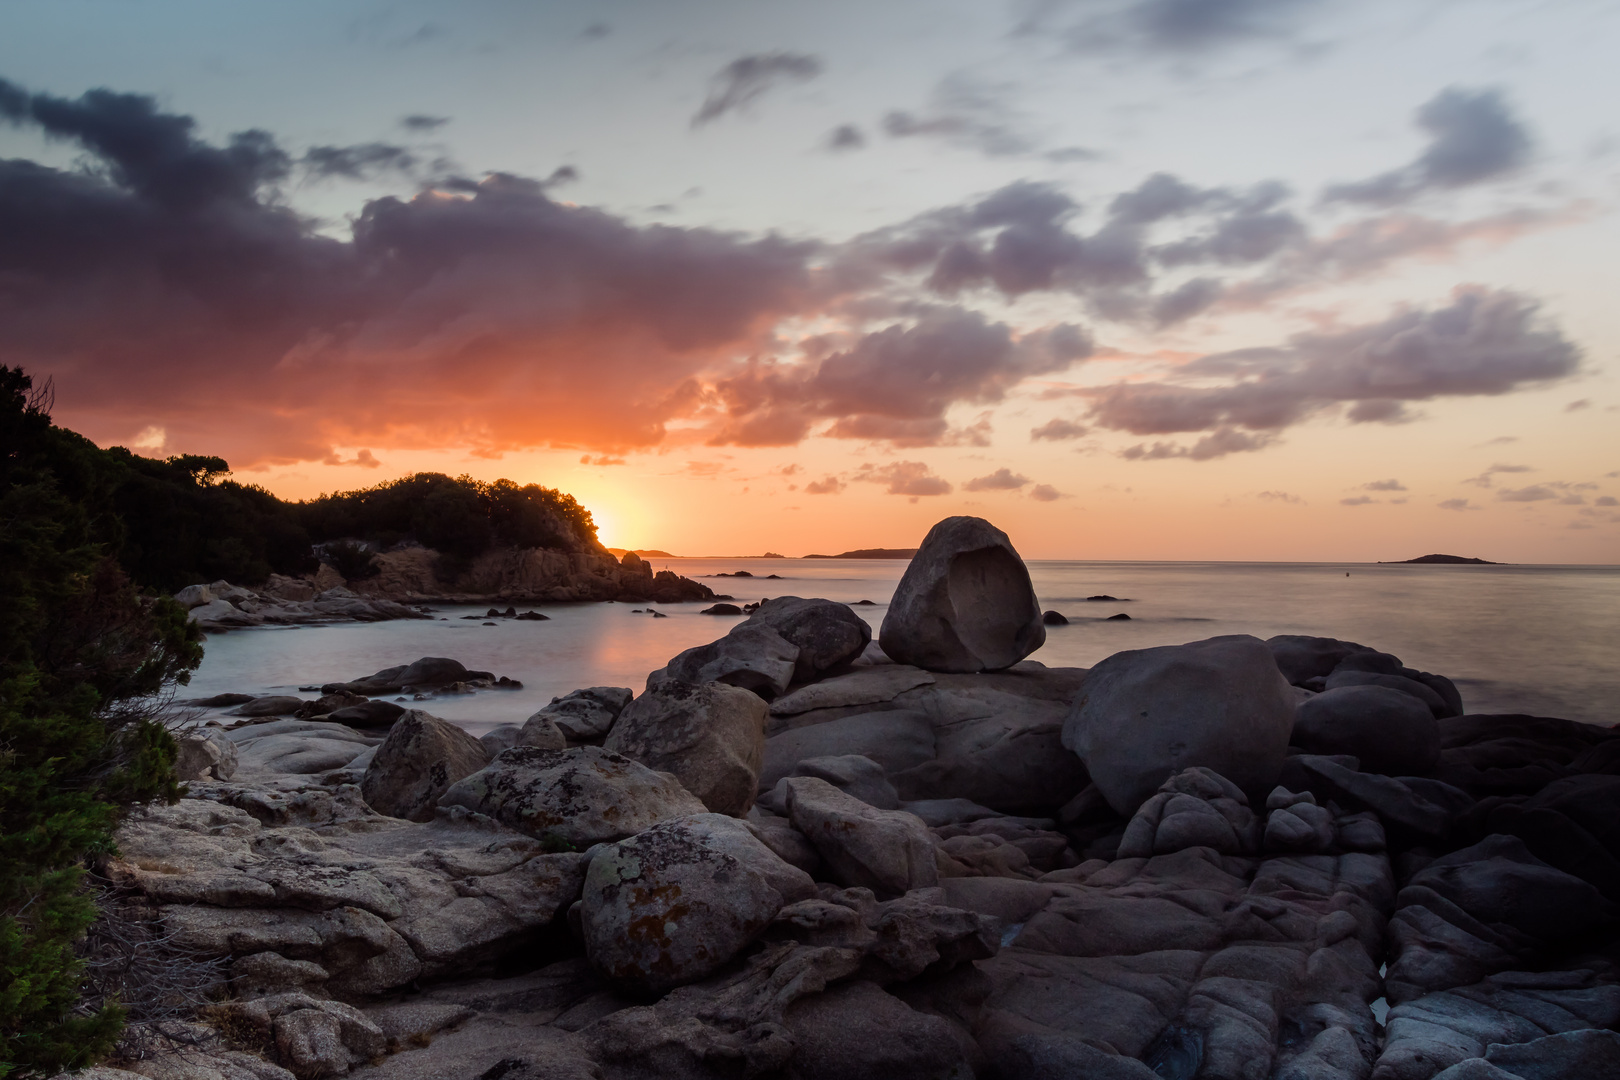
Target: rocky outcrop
529, 574
571, 799
1144, 715
223, 606
709, 736
965, 602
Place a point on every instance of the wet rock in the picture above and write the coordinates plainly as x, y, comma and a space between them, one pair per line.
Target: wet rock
571, 799
269, 705
721, 609
422, 756
752, 657
887, 851
1146, 714
1388, 731
673, 903
204, 754
1053, 618
427, 672
828, 634
368, 714
965, 602
710, 735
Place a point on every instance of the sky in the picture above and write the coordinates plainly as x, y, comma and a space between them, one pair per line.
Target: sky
1132, 279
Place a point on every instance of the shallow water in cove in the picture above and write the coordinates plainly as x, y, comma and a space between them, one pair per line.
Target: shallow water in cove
1535, 639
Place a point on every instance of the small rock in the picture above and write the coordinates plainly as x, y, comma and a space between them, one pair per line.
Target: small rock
1054, 618
721, 609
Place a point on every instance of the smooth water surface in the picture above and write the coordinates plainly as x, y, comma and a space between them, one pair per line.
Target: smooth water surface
1536, 639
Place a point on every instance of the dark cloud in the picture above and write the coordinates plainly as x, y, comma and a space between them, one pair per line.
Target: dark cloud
421, 122
1046, 493
1002, 479
1357, 500
1058, 429
743, 81
1533, 493
1606, 500
896, 383
845, 137
1484, 343
1218, 443
168, 277
1473, 137
913, 478
1384, 485
359, 161
1175, 28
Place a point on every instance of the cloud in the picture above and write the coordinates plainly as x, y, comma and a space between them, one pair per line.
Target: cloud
1485, 480
894, 384
420, 122
827, 485
1457, 504
360, 161
912, 478
1218, 443
1046, 493
1357, 500
1002, 479
844, 137
600, 459
1384, 485
1533, 493
1279, 496
1058, 429
968, 113
1606, 500
1577, 406
443, 318
1177, 28
1500, 440
1483, 343
1473, 137
363, 458
746, 79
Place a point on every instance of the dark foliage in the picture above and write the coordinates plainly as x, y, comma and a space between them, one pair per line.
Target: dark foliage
83, 660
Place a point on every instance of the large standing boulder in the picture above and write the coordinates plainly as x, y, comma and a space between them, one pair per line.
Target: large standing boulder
422, 756
1391, 732
1146, 714
674, 902
752, 656
828, 634
965, 602
710, 735
571, 799
888, 851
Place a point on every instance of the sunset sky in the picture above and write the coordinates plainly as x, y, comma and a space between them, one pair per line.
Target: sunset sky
1157, 279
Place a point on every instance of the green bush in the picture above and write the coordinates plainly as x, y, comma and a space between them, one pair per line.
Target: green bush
83, 657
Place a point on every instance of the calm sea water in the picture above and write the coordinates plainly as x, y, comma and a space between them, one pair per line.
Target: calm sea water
1536, 639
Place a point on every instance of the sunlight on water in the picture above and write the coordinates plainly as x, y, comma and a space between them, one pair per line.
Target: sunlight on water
1538, 639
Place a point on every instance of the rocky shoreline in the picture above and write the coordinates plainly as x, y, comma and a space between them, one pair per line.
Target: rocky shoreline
800, 853
406, 580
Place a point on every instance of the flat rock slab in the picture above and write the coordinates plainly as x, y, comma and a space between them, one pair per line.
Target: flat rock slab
868, 686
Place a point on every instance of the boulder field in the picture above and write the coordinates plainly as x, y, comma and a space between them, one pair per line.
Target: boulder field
798, 855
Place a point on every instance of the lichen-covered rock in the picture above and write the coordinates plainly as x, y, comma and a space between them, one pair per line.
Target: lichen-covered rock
1144, 715
204, 754
542, 731
422, 756
586, 716
671, 904
888, 851
710, 735
965, 602
571, 799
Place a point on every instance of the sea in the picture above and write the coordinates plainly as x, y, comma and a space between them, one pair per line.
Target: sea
1543, 640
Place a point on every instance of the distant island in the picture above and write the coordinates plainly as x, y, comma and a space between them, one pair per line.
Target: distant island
870, 553
1452, 559
645, 553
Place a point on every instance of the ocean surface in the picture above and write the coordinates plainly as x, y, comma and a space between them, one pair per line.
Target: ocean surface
1534, 639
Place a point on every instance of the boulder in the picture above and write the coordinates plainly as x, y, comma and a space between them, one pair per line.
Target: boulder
1194, 808
204, 754
858, 1031
270, 705
853, 775
752, 656
367, 714
1390, 732
828, 634
540, 730
863, 686
965, 602
1301, 658
888, 851
500, 738
422, 756
673, 903
721, 609
896, 739
428, 671
710, 735
571, 799
193, 596
1400, 683
1143, 715
587, 715
1054, 618
295, 746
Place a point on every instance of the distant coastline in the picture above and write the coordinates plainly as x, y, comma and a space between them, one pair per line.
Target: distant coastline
1443, 559
870, 553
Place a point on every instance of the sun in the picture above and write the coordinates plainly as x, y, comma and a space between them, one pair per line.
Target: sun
607, 525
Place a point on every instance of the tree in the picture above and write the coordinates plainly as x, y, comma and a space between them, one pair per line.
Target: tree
83, 657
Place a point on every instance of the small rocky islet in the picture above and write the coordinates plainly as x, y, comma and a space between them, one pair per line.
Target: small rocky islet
802, 853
